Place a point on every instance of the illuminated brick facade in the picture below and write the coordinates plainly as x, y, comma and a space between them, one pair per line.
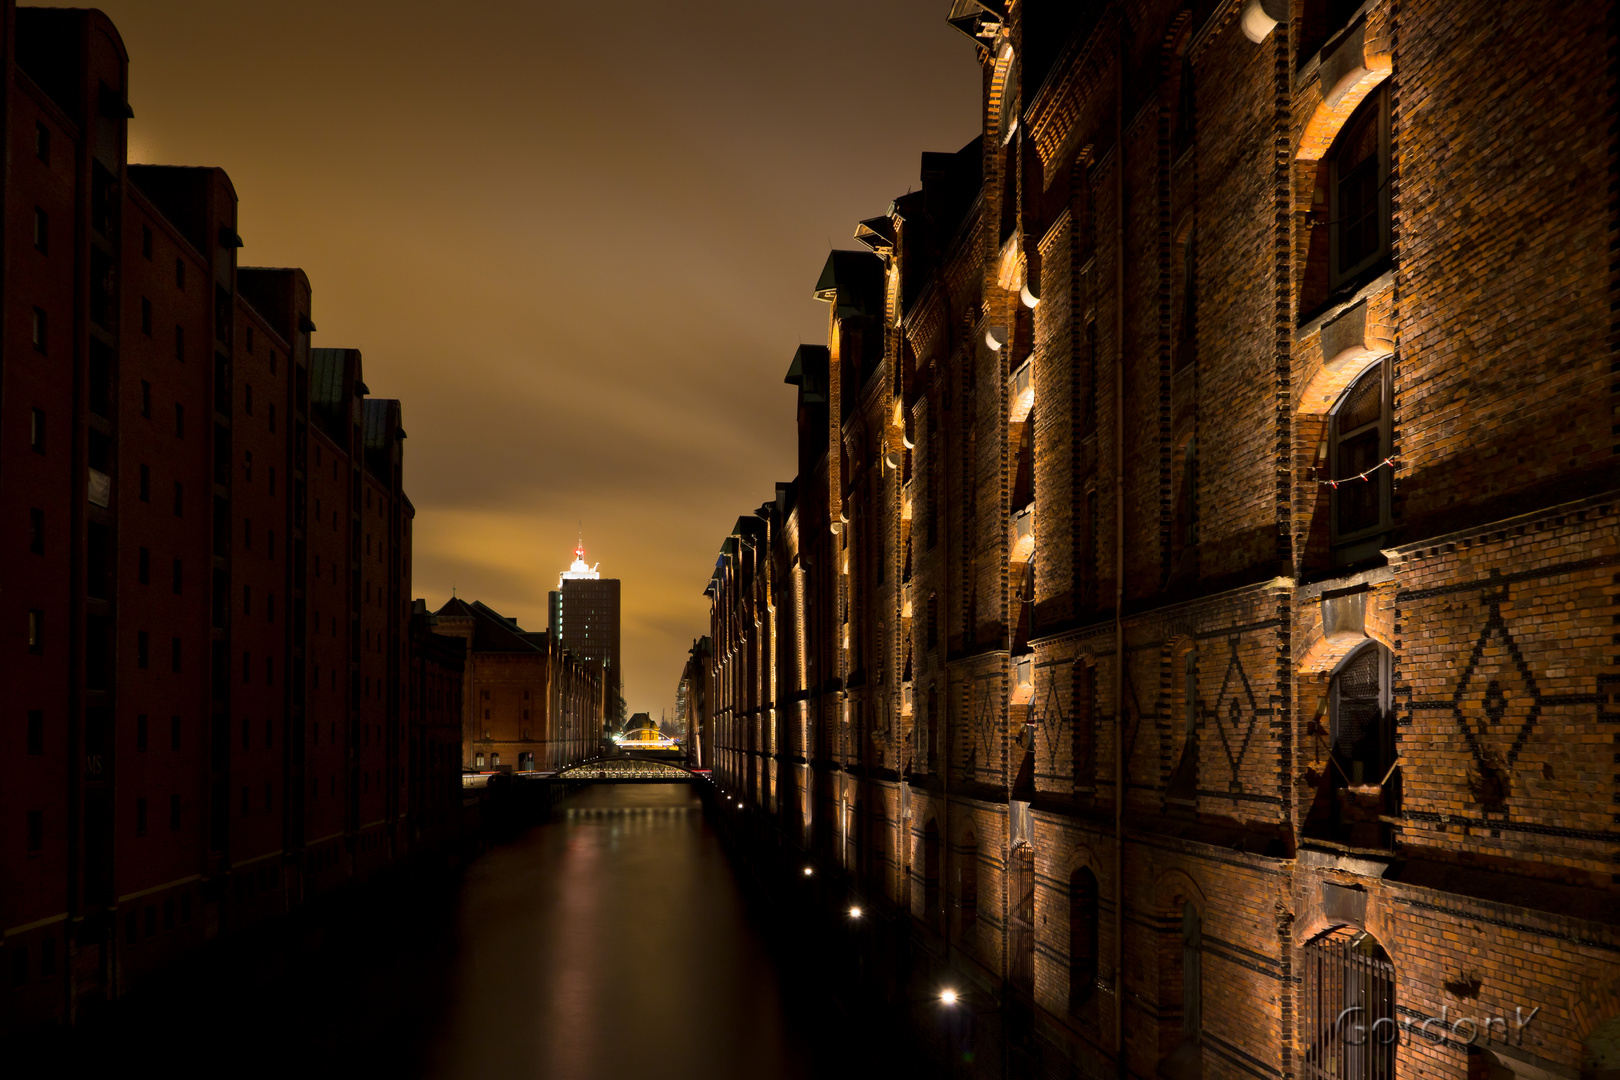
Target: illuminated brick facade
1195, 607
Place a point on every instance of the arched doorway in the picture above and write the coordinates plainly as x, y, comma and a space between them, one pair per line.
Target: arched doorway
1348, 1010
1021, 923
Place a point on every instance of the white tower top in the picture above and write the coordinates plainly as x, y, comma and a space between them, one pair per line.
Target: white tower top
579, 571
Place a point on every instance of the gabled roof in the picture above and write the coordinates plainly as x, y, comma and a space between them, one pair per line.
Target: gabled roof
379, 428
492, 631
809, 372
853, 282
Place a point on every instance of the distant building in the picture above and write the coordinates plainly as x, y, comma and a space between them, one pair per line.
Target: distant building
527, 703
584, 616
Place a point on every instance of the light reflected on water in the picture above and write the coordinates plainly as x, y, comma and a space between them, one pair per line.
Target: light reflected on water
612, 943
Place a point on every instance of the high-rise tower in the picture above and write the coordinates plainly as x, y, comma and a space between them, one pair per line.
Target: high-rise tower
584, 614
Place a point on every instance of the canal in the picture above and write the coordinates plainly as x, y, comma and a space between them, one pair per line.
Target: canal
612, 941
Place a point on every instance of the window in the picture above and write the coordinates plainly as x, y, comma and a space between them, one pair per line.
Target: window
36, 430
36, 732
36, 830
1349, 1007
36, 531
930, 875
1359, 715
39, 330
1189, 303
42, 231
1192, 973
247, 394
36, 631
174, 826
179, 274
247, 534
478, 761
180, 343
272, 417
1082, 937
42, 143
247, 466
247, 599
140, 733
1358, 191
146, 398
146, 316
1359, 442
142, 649
247, 677
140, 817
968, 891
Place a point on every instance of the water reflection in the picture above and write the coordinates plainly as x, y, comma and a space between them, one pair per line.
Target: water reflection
612, 943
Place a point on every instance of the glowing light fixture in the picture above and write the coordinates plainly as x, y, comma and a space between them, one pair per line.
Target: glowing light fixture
855, 912
948, 997
808, 871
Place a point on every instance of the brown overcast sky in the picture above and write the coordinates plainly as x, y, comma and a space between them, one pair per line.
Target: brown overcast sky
578, 241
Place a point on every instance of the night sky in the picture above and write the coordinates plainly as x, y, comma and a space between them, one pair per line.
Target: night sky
578, 241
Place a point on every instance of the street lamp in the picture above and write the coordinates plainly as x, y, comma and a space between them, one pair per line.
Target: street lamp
855, 911
808, 871
948, 997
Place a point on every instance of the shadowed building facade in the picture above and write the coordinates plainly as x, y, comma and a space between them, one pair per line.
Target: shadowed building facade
1193, 614
204, 712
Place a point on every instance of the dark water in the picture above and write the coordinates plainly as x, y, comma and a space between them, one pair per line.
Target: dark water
612, 942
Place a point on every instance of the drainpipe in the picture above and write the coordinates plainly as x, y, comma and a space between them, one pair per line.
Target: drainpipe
1119, 564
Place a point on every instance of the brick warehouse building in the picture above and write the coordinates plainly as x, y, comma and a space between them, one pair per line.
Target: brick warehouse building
207, 714
1194, 612
528, 703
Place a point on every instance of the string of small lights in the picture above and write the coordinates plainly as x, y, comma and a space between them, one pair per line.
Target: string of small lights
1359, 476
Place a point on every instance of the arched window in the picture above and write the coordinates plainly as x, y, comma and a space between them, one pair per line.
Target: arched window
1358, 711
1082, 937
1350, 1025
930, 869
1192, 972
1358, 443
968, 885
1021, 892
1358, 191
